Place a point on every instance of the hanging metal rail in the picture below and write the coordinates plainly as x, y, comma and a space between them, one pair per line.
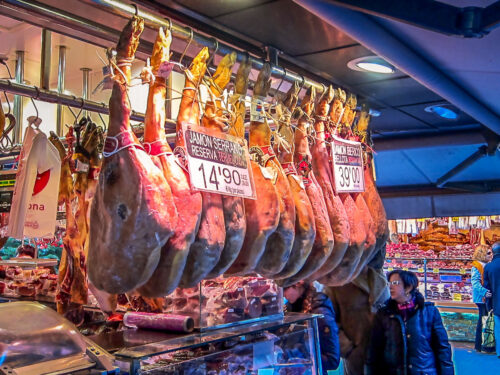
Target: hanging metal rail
186, 33
50, 96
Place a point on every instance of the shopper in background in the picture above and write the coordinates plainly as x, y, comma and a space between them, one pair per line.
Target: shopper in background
408, 336
303, 297
355, 306
482, 256
492, 283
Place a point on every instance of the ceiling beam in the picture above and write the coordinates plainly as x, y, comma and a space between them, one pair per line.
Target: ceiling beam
401, 54
428, 14
451, 188
428, 139
432, 15
491, 16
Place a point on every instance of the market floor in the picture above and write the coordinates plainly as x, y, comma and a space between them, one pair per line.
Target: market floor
467, 361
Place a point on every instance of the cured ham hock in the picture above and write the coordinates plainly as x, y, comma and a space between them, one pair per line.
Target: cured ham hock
131, 215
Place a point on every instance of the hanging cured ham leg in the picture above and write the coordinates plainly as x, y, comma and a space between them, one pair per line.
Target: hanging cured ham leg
262, 214
305, 228
371, 196
370, 243
339, 221
324, 240
131, 218
174, 253
280, 243
209, 242
234, 207
342, 273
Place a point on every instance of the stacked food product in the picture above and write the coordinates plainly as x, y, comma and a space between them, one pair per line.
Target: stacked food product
403, 250
16, 282
450, 292
226, 300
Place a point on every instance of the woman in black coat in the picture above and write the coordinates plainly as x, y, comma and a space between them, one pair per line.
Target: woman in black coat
303, 297
408, 336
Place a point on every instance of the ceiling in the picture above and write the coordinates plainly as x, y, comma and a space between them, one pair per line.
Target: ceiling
310, 45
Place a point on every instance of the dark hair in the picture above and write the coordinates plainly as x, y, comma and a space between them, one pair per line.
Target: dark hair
496, 248
407, 277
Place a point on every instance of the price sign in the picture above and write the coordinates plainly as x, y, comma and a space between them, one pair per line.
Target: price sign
218, 162
390, 269
420, 270
457, 297
462, 271
405, 268
482, 217
435, 270
455, 219
421, 220
397, 255
348, 166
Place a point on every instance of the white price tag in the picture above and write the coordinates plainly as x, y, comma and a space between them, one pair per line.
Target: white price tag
257, 110
348, 166
218, 162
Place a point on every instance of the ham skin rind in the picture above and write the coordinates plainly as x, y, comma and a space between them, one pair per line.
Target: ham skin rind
187, 202
129, 219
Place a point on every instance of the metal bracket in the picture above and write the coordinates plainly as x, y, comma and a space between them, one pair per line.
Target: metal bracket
467, 22
272, 54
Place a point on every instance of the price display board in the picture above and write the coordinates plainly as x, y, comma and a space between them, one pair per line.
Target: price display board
462, 271
435, 270
348, 166
218, 162
420, 270
457, 297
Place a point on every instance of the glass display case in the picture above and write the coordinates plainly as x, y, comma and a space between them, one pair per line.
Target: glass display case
35, 340
222, 302
441, 279
288, 345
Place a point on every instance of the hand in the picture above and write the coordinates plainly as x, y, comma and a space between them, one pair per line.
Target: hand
488, 294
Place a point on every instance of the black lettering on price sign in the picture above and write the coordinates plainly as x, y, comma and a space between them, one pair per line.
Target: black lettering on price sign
348, 166
218, 162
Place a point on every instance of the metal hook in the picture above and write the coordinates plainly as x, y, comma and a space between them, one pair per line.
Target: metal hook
216, 42
104, 126
8, 102
136, 9
33, 101
282, 79
187, 45
169, 24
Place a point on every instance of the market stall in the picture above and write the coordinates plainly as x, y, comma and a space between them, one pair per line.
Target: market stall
194, 218
183, 173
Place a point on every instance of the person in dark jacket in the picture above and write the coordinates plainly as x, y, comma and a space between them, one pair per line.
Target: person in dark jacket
408, 336
303, 297
492, 283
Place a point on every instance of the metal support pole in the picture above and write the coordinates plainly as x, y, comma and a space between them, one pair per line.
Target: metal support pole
18, 100
70, 100
168, 102
85, 85
46, 59
425, 278
61, 74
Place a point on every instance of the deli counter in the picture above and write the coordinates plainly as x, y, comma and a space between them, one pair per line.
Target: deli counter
39, 341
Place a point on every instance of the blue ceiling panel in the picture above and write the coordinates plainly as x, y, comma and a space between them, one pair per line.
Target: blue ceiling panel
435, 162
394, 168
